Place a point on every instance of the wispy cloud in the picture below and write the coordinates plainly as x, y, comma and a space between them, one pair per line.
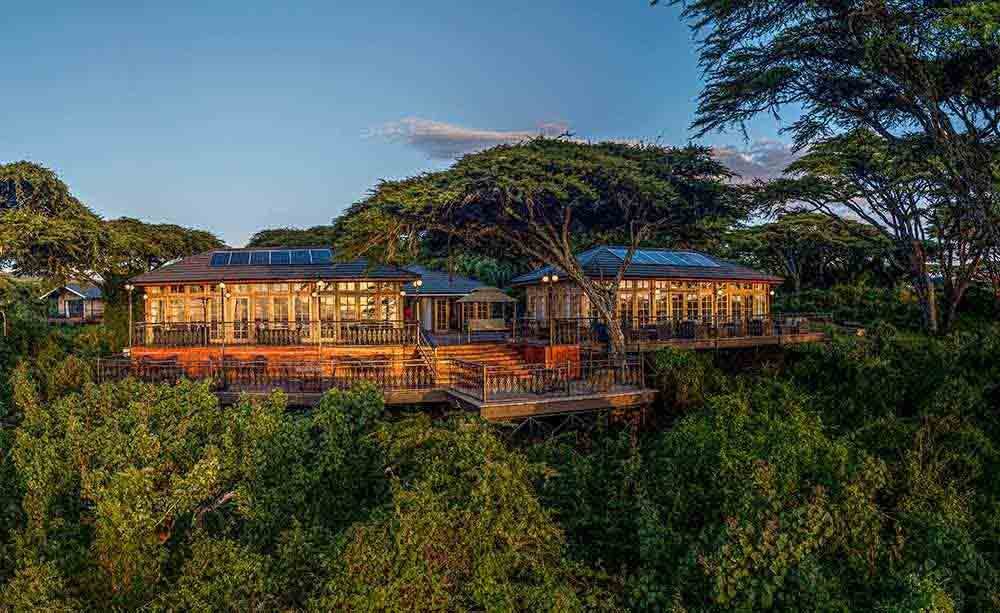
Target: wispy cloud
446, 141
762, 159
439, 140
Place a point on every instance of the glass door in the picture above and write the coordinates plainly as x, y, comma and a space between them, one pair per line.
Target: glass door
241, 319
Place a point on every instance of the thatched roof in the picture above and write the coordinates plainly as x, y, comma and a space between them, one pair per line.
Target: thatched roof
486, 294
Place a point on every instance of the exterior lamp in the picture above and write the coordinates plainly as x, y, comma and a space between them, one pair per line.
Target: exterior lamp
402, 292
321, 285
772, 292
128, 287
418, 283
545, 279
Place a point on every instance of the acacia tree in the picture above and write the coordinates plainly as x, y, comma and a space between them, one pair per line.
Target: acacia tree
136, 247
892, 190
810, 247
908, 72
44, 229
534, 198
295, 237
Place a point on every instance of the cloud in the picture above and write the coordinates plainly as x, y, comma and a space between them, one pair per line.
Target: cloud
439, 140
446, 141
763, 159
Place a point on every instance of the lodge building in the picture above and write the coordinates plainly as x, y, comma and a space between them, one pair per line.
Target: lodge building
297, 319
658, 285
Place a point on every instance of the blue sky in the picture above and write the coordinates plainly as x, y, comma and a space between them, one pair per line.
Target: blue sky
236, 116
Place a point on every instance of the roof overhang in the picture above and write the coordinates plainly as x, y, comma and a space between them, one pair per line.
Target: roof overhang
61, 287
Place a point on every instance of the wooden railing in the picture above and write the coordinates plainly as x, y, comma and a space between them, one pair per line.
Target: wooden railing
260, 375
496, 383
576, 330
274, 333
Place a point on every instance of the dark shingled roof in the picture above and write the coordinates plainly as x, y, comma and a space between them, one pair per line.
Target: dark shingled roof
439, 283
198, 269
88, 292
604, 261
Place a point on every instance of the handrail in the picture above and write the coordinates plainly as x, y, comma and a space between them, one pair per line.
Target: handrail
575, 330
274, 333
265, 375
429, 358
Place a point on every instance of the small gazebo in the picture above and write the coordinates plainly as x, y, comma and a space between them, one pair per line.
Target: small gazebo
484, 310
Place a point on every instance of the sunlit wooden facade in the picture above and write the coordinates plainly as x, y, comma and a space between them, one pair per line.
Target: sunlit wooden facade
696, 288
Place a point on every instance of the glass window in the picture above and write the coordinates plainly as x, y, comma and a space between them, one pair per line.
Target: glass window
302, 309
260, 288
390, 308
367, 308
279, 288
260, 310
644, 308
706, 308
348, 308
242, 288
662, 304
153, 289
156, 311
280, 308
196, 310
346, 286
677, 306
692, 307
625, 305
176, 289
722, 306
176, 311
327, 307
195, 289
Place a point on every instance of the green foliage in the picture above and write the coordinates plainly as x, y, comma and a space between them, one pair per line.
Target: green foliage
44, 229
316, 236
684, 378
856, 302
465, 531
813, 250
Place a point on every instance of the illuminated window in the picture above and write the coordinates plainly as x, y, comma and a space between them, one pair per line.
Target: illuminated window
280, 308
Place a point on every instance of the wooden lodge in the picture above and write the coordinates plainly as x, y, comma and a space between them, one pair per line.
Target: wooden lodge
254, 320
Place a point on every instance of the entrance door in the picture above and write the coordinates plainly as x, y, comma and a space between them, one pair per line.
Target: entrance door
241, 318
441, 319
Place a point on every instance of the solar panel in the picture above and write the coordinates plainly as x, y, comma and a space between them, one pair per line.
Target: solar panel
240, 258
643, 257
260, 258
300, 257
321, 256
656, 257
697, 259
280, 258
220, 258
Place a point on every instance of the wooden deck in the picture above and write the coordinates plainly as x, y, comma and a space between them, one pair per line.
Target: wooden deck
739, 342
526, 379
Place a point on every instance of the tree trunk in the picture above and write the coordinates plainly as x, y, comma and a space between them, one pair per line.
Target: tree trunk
953, 296
924, 288
605, 307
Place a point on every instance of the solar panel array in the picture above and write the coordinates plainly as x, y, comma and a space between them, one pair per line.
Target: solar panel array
652, 257
280, 257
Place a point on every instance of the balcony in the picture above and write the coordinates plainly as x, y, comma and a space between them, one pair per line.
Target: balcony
654, 332
274, 333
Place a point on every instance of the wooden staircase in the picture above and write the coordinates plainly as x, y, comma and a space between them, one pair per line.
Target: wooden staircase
501, 355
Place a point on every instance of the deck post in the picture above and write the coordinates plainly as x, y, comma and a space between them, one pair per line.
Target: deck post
484, 382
